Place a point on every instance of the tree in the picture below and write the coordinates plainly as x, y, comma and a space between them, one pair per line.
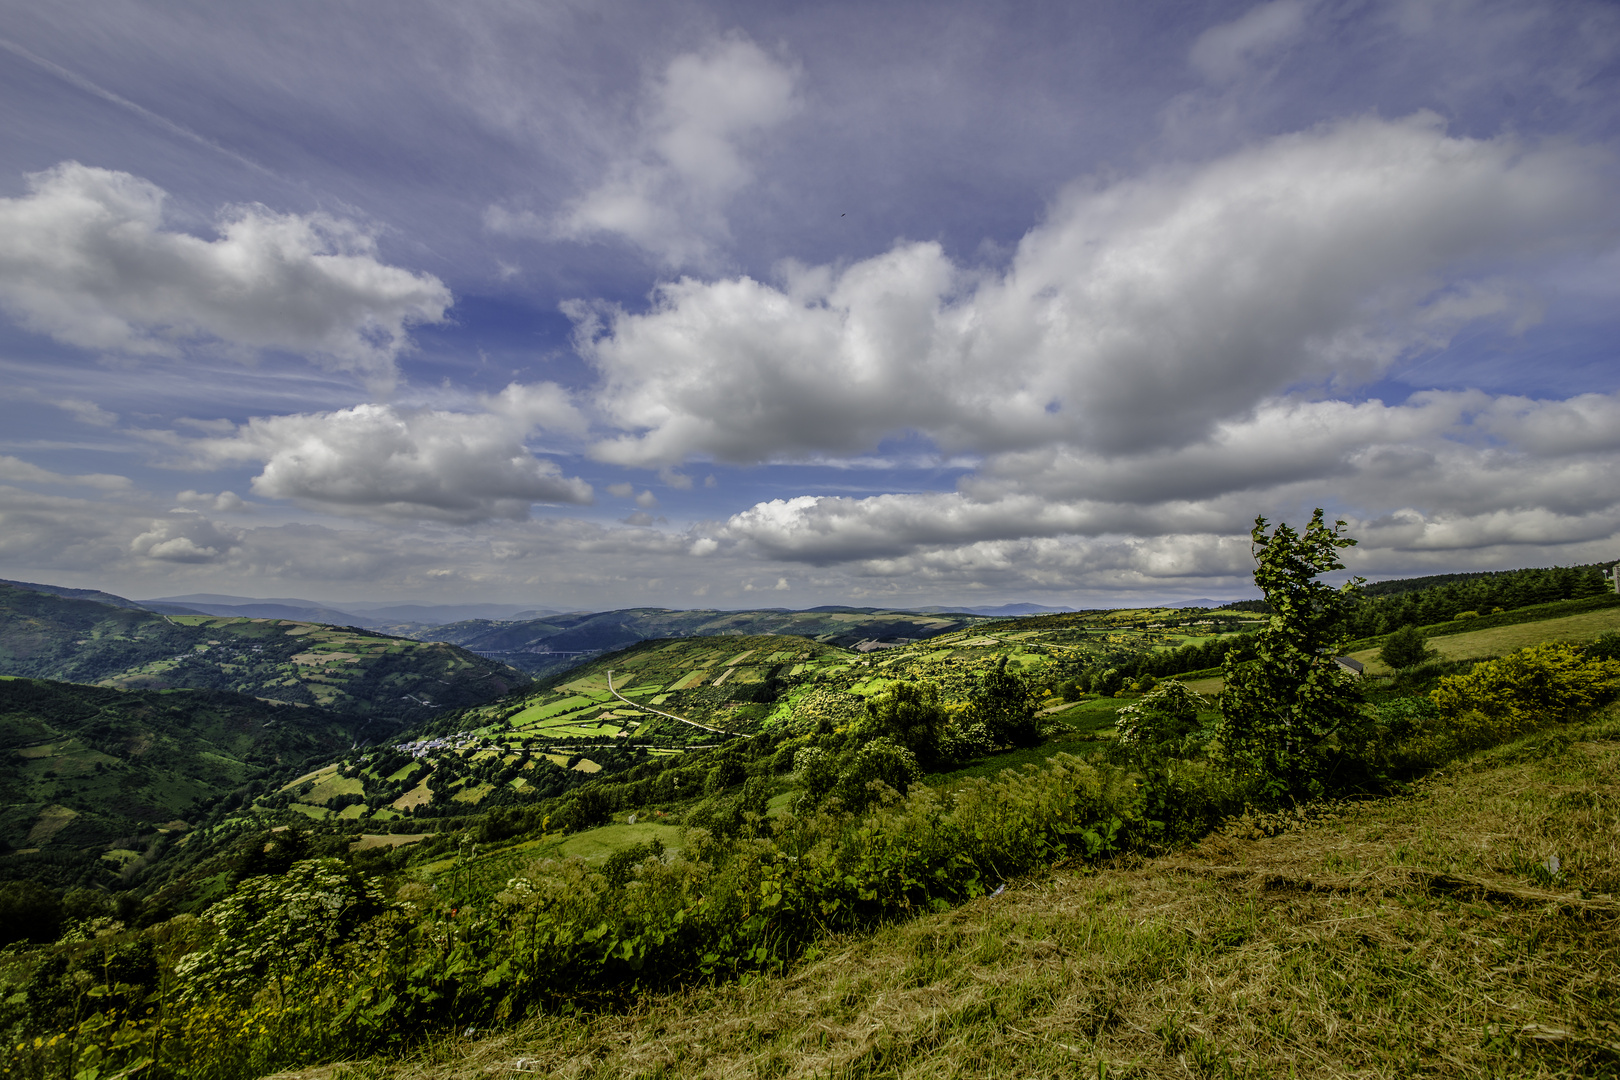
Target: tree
1406, 647
912, 716
1282, 711
1166, 712
1003, 706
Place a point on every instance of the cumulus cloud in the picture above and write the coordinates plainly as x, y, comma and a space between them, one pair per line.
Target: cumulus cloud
88, 261
393, 462
668, 192
184, 537
1140, 314
1448, 471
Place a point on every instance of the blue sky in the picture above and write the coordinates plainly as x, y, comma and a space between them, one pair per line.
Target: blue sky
596, 305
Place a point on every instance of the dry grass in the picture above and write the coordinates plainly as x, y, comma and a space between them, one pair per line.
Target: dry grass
1421, 935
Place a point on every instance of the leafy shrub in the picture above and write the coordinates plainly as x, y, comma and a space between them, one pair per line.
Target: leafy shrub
1524, 690
881, 761
1405, 648
271, 928
1166, 712
1606, 647
910, 715
1002, 704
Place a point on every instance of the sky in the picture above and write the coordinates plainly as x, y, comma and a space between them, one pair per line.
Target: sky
597, 305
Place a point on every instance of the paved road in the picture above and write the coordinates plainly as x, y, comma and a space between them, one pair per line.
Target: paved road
660, 712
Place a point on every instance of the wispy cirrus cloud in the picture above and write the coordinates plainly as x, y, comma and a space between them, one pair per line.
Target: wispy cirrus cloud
688, 154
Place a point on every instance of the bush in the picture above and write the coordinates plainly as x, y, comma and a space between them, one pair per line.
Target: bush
910, 715
881, 761
272, 929
1405, 648
1166, 712
1606, 647
1002, 704
1524, 690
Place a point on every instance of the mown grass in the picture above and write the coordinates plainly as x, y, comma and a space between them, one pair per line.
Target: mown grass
1418, 935
1501, 640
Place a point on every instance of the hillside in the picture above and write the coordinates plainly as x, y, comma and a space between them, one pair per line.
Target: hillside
93, 780
602, 842
393, 680
554, 643
1408, 936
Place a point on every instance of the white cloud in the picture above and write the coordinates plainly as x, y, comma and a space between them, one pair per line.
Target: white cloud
668, 192
388, 461
1140, 314
87, 412
1461, 472
88, 260
1225, 52
184, 537
646, 500
17, 471
224, 502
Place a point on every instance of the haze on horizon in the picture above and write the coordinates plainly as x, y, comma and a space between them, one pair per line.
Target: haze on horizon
781, 305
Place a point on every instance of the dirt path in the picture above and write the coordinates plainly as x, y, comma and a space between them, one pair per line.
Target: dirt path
660, 712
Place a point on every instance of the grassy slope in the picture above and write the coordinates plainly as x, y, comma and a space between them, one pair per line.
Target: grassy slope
1479, 644
1408, 935
97, 762
1502, 640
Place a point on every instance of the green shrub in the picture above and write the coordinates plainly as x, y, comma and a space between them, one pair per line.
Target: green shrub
1542, 684
879, 762
1405, 648
1168, 711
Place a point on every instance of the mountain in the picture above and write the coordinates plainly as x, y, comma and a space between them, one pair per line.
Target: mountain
371, 614
267, 609
76, 594
388, 679
91, 777
557, 642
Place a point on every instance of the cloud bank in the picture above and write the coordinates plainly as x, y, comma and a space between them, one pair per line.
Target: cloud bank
1139, 314
391, 462
88, 261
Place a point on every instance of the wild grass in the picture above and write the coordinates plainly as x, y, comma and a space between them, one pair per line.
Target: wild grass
1501, 640
1418, 935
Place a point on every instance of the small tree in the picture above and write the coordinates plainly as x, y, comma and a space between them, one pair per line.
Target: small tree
1003, 706
1281, 712
1406, 647
911, 715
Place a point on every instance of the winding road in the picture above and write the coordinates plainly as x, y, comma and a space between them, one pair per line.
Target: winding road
660, 712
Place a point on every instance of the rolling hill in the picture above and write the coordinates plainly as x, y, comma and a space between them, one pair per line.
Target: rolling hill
91, 778
555, 643
388, 679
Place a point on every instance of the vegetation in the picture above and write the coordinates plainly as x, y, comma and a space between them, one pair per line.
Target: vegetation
726, 823
97, 783
391, 680
556, 643
1286, 713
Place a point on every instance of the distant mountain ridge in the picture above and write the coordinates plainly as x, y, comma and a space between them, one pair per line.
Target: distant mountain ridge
370, 614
